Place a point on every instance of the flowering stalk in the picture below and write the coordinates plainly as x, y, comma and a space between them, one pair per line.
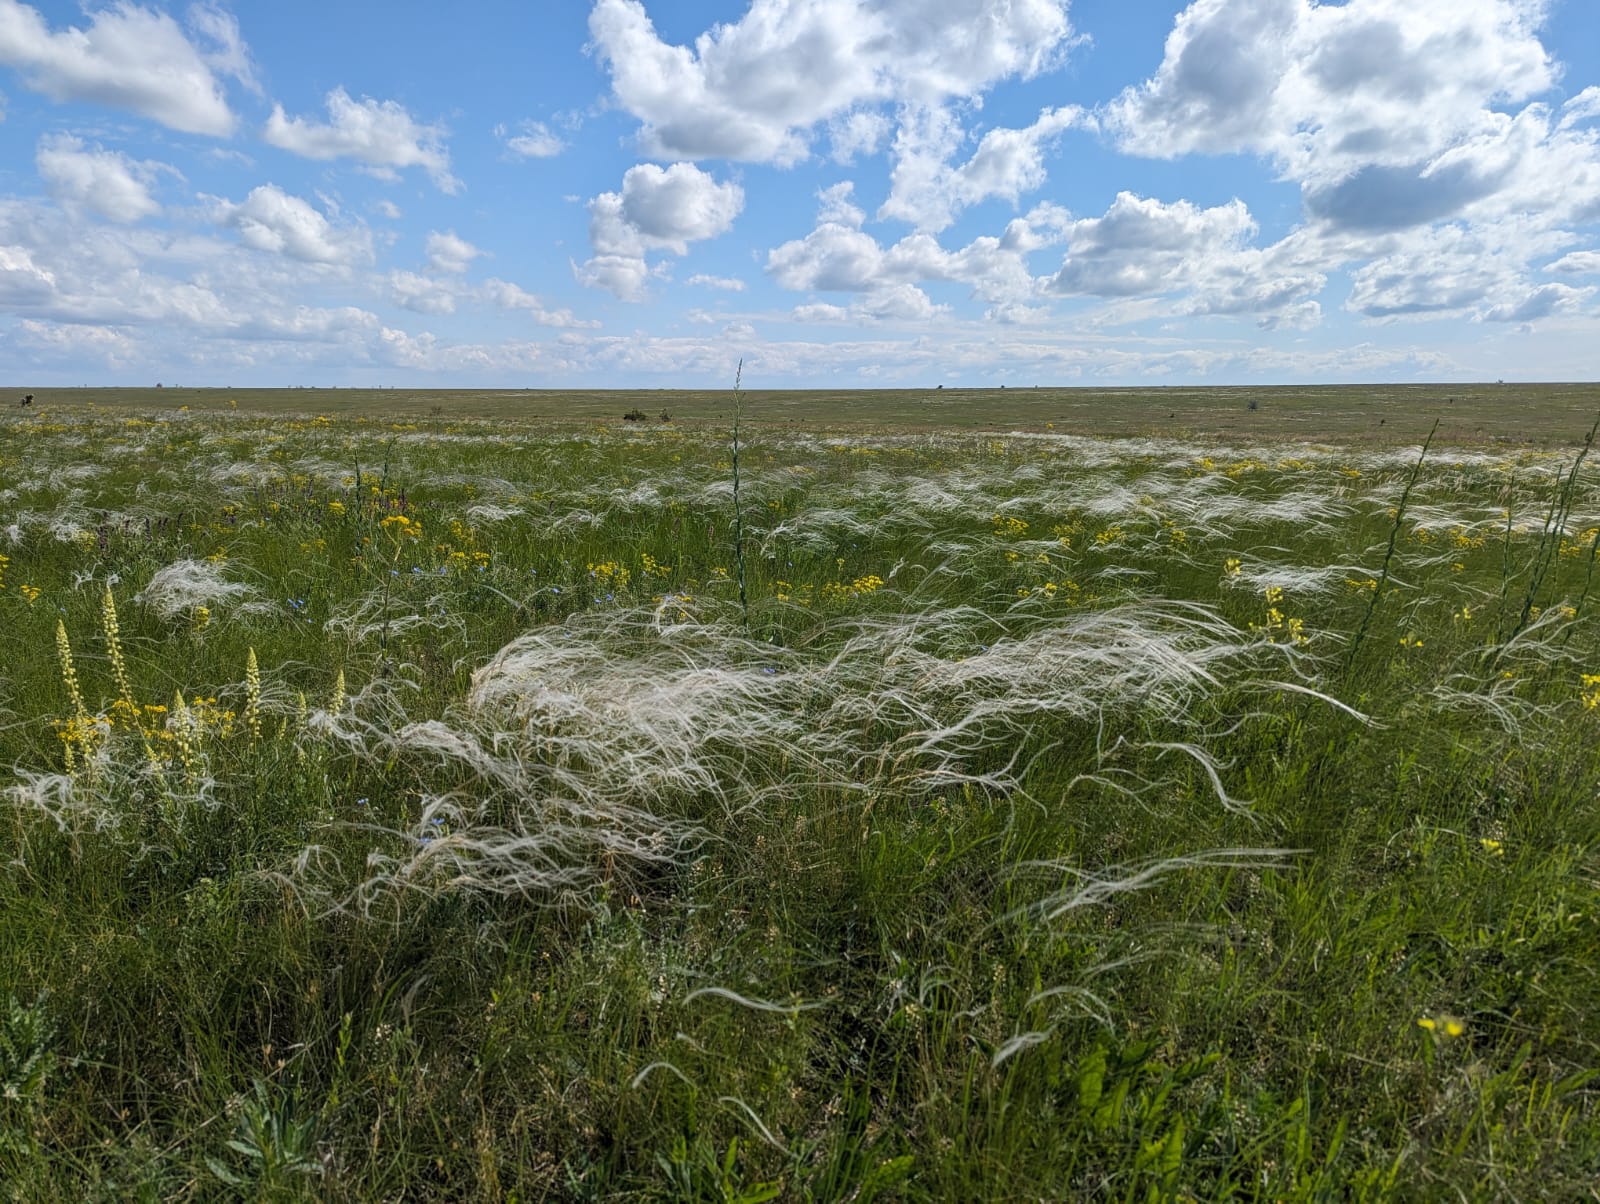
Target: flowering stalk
252, 697
119, 667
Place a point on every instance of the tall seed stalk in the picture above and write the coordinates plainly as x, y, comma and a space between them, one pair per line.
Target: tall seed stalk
1555, 522
1388, 555
738, 513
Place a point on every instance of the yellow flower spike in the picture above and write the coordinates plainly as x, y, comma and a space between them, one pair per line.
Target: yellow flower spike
184, 733
336, 703
252, 697
119, 667
69, 675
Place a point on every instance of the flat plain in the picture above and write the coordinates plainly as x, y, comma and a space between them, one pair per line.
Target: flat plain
1025, 794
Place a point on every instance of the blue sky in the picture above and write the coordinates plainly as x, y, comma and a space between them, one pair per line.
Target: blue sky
843, 193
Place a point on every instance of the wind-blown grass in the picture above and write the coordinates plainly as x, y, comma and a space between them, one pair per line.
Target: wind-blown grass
450, 829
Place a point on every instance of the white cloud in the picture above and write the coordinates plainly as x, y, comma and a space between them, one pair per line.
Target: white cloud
1389, 117
1143, 246
1326, 88
657, 209
837, 207
379, 134
227, 53
1459, 271
625, 276
387, 209
505, 295
105, 182
1577, 263
851, 135
1545, 301
420, 294
927, 190
23, 282
129, 57
270, 219
836, 257
448, 252
533, 141
754, 89
727, 283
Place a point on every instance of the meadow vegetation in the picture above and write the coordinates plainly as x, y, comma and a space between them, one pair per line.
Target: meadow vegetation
397, 807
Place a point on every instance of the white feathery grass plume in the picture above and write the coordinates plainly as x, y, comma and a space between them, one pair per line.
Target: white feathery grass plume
185, 584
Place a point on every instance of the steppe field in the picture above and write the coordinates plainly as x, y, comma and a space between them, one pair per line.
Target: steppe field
1135, 795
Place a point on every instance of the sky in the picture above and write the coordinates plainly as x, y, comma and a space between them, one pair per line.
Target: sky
841, 193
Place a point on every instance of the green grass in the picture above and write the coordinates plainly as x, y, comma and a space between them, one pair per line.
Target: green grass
1044, 831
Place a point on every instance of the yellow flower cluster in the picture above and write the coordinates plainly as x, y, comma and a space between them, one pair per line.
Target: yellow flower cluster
4, 560
1582, 544
614, 574
649, 566
1281, 628
1443, 1026
837, 591
1591, 691
401, 526
1009, 526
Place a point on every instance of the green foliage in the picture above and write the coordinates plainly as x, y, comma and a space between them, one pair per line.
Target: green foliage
1044, 831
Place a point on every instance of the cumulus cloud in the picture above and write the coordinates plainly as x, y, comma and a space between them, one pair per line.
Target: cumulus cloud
530, 140
657, 209
1388, 117
421, 294
505, 295
755, 89
448, 252
928, 191
1326, 88
1143, 246
133, 58
840, 257
837, 207
1576, 263
1200, 257
1411, 132
727, 283
381, 135
270, 219
105, 182
22, 281
1460, 271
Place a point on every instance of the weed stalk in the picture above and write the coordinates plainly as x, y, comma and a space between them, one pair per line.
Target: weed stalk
1388, 555
738, 513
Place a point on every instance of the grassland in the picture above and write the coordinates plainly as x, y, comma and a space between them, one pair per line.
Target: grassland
402, 805
1468, 415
